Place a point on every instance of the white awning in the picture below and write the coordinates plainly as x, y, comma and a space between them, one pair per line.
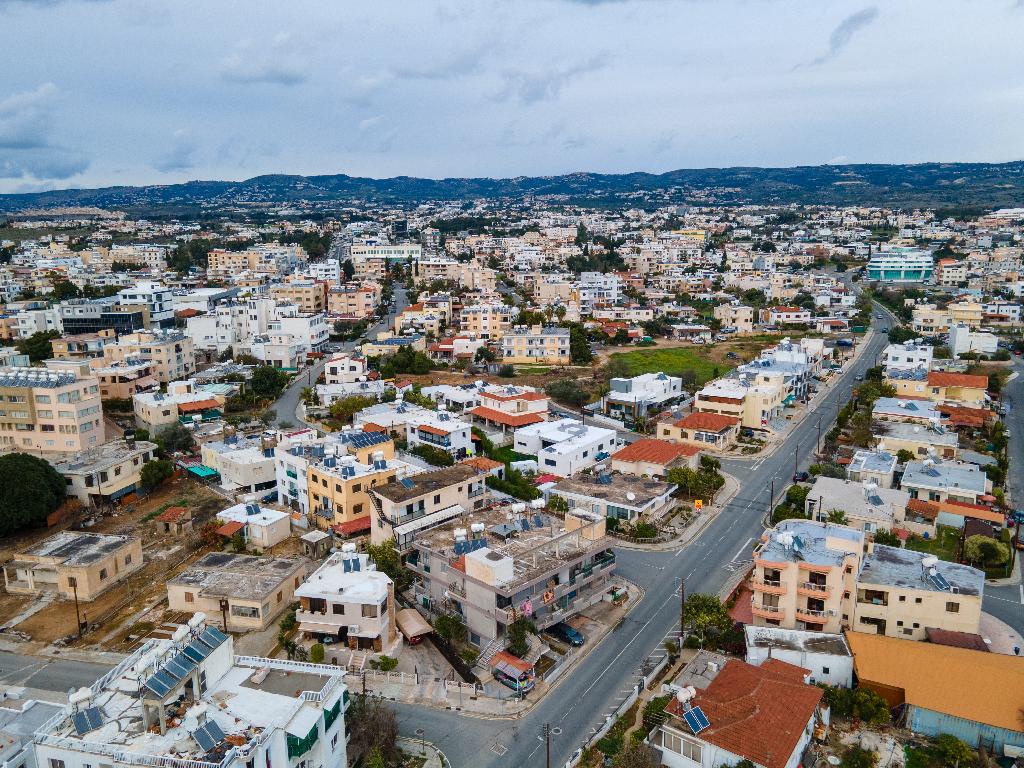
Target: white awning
428, 521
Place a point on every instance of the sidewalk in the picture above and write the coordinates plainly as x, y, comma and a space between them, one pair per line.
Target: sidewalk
1001, 635
433, 757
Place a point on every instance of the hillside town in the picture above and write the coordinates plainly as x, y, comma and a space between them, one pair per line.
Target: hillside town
474, 483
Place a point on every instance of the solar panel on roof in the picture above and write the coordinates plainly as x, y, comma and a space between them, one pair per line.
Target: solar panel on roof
204, 739
94, 717
696, 719
213, 637
406, 482
460, 547
81, 724
346, 566
177, 669
524, 524
939, 581
537, 521
196, 651
160, 684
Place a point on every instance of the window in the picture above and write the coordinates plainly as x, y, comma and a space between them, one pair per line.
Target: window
245, 611
357, 488
681, 745
437, 498
357, 509
952, 607
903, 598
338, 609
917, 599
189, 597
55, 763
128, 559
824, 670
369, 611
72, 582
103, 573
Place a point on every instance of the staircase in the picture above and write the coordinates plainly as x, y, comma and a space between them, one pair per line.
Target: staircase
537, 649
484, 659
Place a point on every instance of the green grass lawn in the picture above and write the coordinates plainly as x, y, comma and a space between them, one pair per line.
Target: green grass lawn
505, 454
673, 361
943, 546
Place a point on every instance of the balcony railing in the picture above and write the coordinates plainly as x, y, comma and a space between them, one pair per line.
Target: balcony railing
811, 612
771, 586
759, 609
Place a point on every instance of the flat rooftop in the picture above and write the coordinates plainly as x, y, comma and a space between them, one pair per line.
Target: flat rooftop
796, 640
896, 567
793, 540
929, 434
617, 491
102, 456
873, 461
243, 577
72, 548
945, 474
426, 482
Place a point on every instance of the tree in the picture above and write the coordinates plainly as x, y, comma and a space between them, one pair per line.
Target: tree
348, 269
345, 408
568, 392
518, 636
485, 355
30, 489
837, 517
450, 628
857, 757
707, 616
174, 438
37, 346
579, 345
268, 416
636, 756
887, 537
375, 759
903, 456
64, 290
387, 561
155, 472
267, 382
507, 372
316, 653
985, 550
372, 726
437, 457
953, 752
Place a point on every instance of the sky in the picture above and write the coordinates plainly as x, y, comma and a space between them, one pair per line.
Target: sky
108, 92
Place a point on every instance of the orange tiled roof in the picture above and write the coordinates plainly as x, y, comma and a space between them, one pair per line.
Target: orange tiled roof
508, 419
948, 379
713, 422
483, 463
432, 430
654, 451
198, 405
174, 515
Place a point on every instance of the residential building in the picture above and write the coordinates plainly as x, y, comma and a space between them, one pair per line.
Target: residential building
345, 369
245, 465
754, 403
901, 266
126, 378
622, 497
864, 506
827, 657
566, 446
372, 259
650, 457
354, 300
408, 507
805, 574
156, 297
261, 528
941, 387
633, 398
487, 321
701, 430
235, 711
524, 345
908, 355
735, 316
248, 593
784, 315
497, 570
766, 715
506, 408
74, 565
387, 344
349, 601
310, 296
931, 480
903, 593
976, 696
82, 346
171, 353
921, 441
949, 273
441, 430
964, 341
48, 411
878, 467
107, 473
906, 410
156, 410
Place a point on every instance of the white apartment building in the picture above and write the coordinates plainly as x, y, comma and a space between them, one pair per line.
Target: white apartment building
566, 446
235, 712
156, 296
260, 527
596, 288
244, 465
634, 398
30, 321
345, 369
907, 356
962, 341
441, 430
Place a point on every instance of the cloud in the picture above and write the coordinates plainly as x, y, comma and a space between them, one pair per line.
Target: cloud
369, 122
280, 62
534, 87
460, 65
844, 32
27, 149
180, 154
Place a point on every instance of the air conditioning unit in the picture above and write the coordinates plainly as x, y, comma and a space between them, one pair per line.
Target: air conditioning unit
832, 612
353, 629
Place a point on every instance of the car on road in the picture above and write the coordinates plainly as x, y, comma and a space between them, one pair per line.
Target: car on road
565, 633
859, 377
801, 477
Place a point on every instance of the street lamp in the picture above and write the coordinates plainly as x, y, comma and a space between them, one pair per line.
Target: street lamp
423, 746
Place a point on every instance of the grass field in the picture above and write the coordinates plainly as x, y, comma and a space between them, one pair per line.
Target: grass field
674, 362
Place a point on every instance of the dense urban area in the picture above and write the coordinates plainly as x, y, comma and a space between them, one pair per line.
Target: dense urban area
510, 480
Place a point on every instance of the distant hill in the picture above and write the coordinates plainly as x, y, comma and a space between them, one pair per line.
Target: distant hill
987, 185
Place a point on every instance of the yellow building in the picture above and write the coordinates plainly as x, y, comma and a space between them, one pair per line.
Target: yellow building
354, 300
172, 353
526, 345
48, 410
309, 295
487, 321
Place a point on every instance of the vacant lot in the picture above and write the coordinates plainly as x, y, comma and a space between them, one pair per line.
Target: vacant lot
705, 361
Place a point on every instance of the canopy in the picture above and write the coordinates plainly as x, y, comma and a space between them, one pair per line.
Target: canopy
411, 623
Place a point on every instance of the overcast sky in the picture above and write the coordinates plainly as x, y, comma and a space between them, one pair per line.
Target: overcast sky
102, 92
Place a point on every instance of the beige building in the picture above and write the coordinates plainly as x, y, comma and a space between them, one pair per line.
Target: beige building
225, 262
488, 321
354, 300
805, 574
753, 404
73, 564
929, 320
172, 353
404, 508
524, 345
106, 473
309, 295
903, 593
702, 430
738, 316
244, 592
125, 379
45, 410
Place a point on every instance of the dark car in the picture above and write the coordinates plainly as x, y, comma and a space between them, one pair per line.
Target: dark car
801, 477
567, 634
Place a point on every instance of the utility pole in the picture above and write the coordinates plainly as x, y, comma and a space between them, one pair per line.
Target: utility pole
682, 613
796, 459
78, 617
545, 734
817, 445
771, 497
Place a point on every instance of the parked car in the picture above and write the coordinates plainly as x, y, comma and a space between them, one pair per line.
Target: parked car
859, 377
801, 477
567, 634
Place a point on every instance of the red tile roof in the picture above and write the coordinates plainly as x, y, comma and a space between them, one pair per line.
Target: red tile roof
654, 451
230, 529
758, 713
957, 639
483, 463
712, 422
948, 379
508, 419
352, 527
432, 430
174, 515
198, 405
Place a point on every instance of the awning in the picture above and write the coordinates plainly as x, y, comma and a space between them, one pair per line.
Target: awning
352, 526
411, 623
428, 521
204, 472
230, 529
305, 720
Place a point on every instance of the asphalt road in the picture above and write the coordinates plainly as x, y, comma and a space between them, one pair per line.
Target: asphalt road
47, 674
286, 404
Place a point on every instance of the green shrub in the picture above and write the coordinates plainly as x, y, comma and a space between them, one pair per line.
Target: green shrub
316, 653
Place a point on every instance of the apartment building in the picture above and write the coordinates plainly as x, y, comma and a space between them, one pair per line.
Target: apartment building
49, 411
785, 315
354, 300
345, 369
921, 441
249, 592
406, 508
107, 315
236, 711
566, 446
487, 321
106, 473
310, 296
754, 405
904, 265
172, 354
878, 467
348, 601
735, 316
82, 346
441, 430
902, 593
805, 574
371, 259
297, 451
864, 506
962, 341
949, 273
931, 480
907, 356
124, 379
495, 570
536, 345
621, 497
940, 387
421, 319
634, 398
245, 465
74, 565
156, 297
701, 430
929, 320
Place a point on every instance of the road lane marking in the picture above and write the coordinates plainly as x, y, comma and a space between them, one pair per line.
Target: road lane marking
742, 549
1021, 594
